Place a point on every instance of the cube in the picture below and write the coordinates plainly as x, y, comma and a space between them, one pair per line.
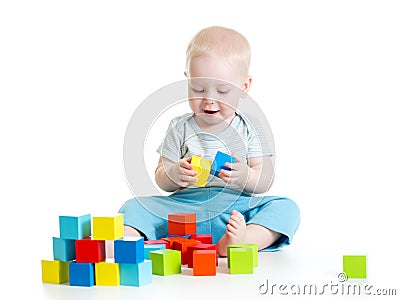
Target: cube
203, 238
63, 249
253, 247
148, 248
182, 246
192, 248
108, 228
130, 250
75, 228
107, 274
158, 242
219, 163
90, 251
136, 274
204, 262
182, 223
171, 240
203, 168
165, 262
81, 274
241, 260
355, 266
55, 271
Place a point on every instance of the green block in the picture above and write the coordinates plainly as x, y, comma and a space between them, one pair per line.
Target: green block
166, 262
253, 247
241, 260
355, 266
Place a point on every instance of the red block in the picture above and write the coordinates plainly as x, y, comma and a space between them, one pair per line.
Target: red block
158, 242
204, 262
203, 238
182, 223
192, 248
171, 240
90, 251
182, 245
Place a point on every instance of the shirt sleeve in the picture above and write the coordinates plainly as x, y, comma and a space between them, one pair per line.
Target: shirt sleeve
260, 140
170, 147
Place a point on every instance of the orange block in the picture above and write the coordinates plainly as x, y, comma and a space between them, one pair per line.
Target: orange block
182, 246
182, 223
204, 262
192, 248
171, 240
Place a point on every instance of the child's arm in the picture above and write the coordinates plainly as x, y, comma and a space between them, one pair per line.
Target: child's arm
170, 176
255, 176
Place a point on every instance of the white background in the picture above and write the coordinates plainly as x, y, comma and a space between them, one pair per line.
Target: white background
326, 74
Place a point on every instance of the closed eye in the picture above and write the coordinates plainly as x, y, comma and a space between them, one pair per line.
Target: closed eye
198, 90
223, 92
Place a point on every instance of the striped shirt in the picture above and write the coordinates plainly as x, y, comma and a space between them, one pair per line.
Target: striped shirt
245, 137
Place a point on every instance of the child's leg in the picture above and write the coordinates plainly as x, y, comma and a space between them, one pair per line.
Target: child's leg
238, 232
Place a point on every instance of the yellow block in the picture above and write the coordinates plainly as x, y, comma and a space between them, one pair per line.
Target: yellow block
108, 228
203, 167
55, 271
107, 274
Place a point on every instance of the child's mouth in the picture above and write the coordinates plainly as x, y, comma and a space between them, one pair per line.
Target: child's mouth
210, 112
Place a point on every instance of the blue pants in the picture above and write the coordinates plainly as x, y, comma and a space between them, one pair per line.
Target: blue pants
213, 205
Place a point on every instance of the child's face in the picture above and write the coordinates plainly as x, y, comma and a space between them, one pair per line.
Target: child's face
215, 88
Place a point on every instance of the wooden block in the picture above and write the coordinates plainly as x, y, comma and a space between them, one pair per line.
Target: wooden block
136, 274
191, 249
129, 250
157, 242
182, 223
148, 248
166, 262
241, 260
81, 274
355, 266
204, 262
171, 240
90, 251
253, 247
55, 271
75, 228
63, 249
203, 167
108, 228
107, 274
203, 238
182, 245
219, 161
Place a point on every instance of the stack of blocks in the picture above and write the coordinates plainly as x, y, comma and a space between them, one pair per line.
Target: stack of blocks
80, 257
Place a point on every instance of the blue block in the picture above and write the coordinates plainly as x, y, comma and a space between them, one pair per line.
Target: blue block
81, 274
149, 248
63, 249
75, 228
219, 162
136, 274
129, 250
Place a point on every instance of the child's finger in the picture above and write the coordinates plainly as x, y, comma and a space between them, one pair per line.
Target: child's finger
189, 172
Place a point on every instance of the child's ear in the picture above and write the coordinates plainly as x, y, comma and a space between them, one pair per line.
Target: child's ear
246, 86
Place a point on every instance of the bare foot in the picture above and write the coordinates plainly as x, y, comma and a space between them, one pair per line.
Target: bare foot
235, 232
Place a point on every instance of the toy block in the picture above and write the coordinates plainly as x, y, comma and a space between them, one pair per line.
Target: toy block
107, 274
241, 260
90, 251
130, 250
253, 247
108, 228
182, 245
54, 271
203, 238
191, 249
203, 168
75, 228
219, 163
81, 274
204, 262
182, 223
63, 249
158, 242
171, 240
166, 262
148, 248
136, 274
355, 266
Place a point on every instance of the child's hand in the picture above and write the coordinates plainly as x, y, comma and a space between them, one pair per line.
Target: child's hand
184, 173
238, 174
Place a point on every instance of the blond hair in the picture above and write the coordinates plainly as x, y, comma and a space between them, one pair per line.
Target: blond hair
221, 42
